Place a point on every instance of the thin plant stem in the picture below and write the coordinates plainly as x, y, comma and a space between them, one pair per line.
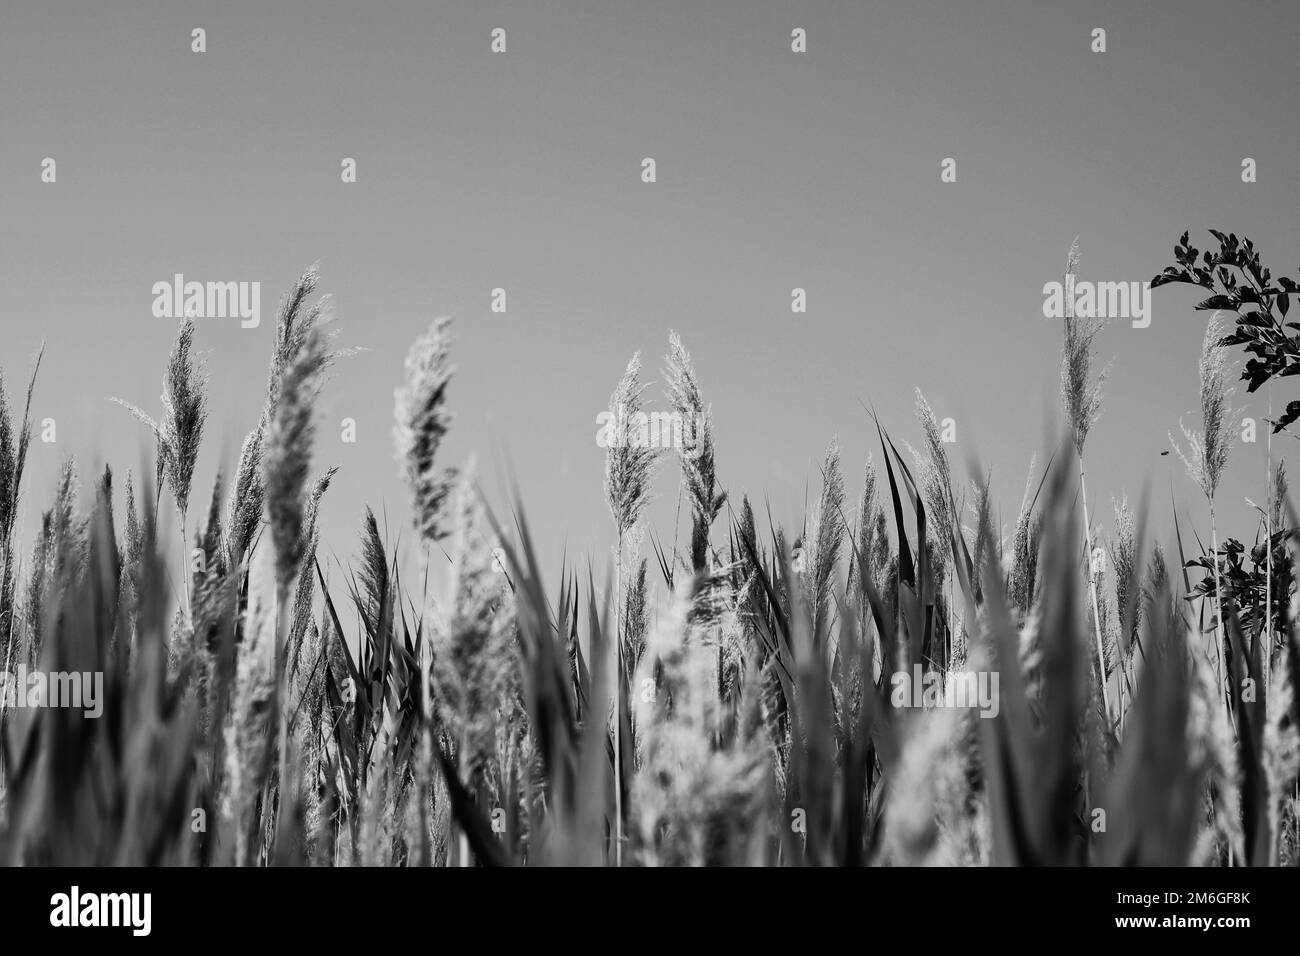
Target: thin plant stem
425, 768
281, 691
1218, 623
1092, 588
464, 837
677, 523
949, 641
1268, 545
618, 706
187, 573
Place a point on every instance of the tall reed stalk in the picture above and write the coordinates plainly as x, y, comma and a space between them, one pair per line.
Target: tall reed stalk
422, 422
1206, 457
629, 468
285, 471
1082, 398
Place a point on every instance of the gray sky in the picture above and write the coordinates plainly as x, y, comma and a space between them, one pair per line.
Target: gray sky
522, 170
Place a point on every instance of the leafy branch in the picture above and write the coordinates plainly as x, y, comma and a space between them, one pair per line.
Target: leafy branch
1241, 285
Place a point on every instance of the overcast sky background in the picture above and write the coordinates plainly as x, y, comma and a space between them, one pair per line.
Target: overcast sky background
522, 170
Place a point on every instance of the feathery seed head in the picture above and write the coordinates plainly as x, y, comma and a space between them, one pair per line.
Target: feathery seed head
697, 461
936, 476
629, 462
422, 424
244, 507
474, 657
287, 457
1080, 392
1207, 451
826, 531
186, 410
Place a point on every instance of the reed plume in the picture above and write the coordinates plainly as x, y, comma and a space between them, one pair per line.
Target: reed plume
1024, 549
422, 423
1155, 589
247, 496
286, 458
295, 324
695, 450
14, 443
179, 432
936, 487
1125, 558
826, 530
1207, 450
474, 655
630, 458
862, 565
1080, 391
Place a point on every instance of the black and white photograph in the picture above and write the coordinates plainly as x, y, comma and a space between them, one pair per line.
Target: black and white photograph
639, 434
